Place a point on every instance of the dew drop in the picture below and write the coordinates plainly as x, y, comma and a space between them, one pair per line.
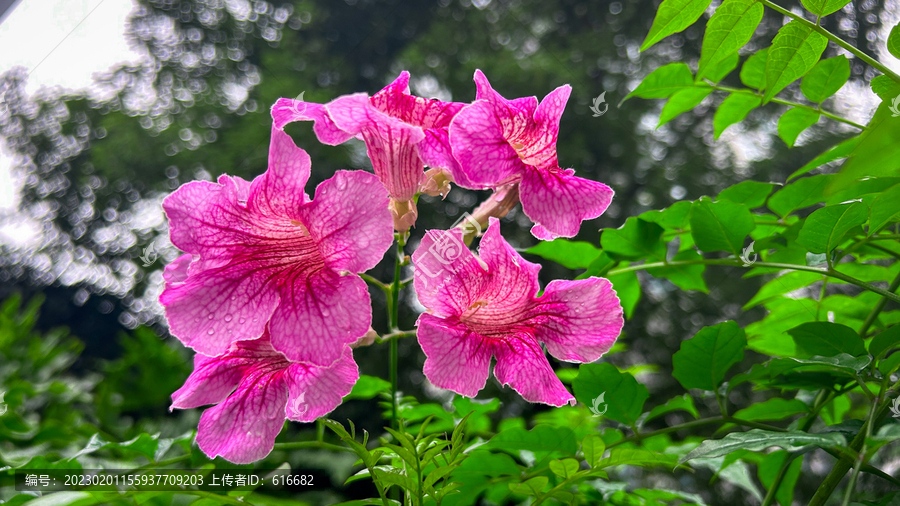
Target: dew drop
241, 319
210, 332
209, 316
228, 318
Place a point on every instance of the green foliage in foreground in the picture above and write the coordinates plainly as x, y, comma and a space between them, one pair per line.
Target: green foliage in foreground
817, 373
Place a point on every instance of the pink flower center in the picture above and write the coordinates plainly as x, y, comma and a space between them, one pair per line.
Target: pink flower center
494, 320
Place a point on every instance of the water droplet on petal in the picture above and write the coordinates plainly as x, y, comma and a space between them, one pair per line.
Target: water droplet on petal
228, 318
241, 319
209, 316
210, 332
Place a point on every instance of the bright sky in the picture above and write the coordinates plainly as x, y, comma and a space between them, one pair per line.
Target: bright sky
62, 43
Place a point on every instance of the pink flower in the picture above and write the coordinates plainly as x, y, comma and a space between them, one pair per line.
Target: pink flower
403, 133
264, 254
254, 389
487, 306
498, 141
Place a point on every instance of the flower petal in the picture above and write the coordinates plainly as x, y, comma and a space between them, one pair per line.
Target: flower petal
486, 159
395, 101
215, 307
514, 280
540, 142
211, 382
287, 110
280, 191
390, 144
316, 391
206, 219
448, 276
457, 359
319, 315
350, 221
177, 271
579, 320
435, 152
521, 364
558, 201
243, 428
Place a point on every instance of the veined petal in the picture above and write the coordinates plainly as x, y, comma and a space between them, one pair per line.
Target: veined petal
559, 201
280, 191
316, 391
287, 110
514, 115
395, 101
578, 321
211, 382
486, 159
242, 429
435, 152
513, 280
350, 221
539, 142
319, 315
177, 271
448, 276
521, 364
457, 359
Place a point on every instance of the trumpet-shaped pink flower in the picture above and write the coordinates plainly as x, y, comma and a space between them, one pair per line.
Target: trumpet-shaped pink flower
254, 388
403, 133
498, 141
487, 306
266, 256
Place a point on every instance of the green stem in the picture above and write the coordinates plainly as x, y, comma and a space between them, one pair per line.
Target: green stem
782, 472
833, 38
686, 425
297, 445
393, 320
827, 114
870, 320
374, 282
735, 262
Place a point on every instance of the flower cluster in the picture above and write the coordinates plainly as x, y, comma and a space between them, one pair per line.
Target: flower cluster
268, 292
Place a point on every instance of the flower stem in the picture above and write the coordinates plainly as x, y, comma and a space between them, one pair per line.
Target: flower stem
394, 322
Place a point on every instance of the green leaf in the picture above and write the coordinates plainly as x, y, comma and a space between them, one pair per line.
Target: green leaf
772, 409
628, 289
368, 387
757, 439
569, 254
632, 457
793, 122
729, 28
753, 72
664, 82
681, 403
825, 228
598, 266
885, 209
720, 226
782, 285
674, 16
824, 7
826, 78
534, 486
703, 360
686, 277
636, 239
833, 153
885, 87
592, 446
885, 341
543, 439
733, 110
723, 68
802, 193
674, 217
769, 468
623, 395
67, 499
893, 43
752, 194
681, 102
878, 151
564, 468
827, 339
795, 50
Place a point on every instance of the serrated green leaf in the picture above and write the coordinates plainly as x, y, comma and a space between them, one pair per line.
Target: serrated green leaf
673, 16
799, 194
795, 50
824, 229
634, 240
826, 78
885, 341
827, 339
681, 403
564, 468
623, 395
729, 28
703, 360
733, 110
772, 409
824, 7
681, 102
569, 254
833, 153
753, 72
885, 209
757, 439
720, 226
664, 82
752, 194
593, 447
793, 122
